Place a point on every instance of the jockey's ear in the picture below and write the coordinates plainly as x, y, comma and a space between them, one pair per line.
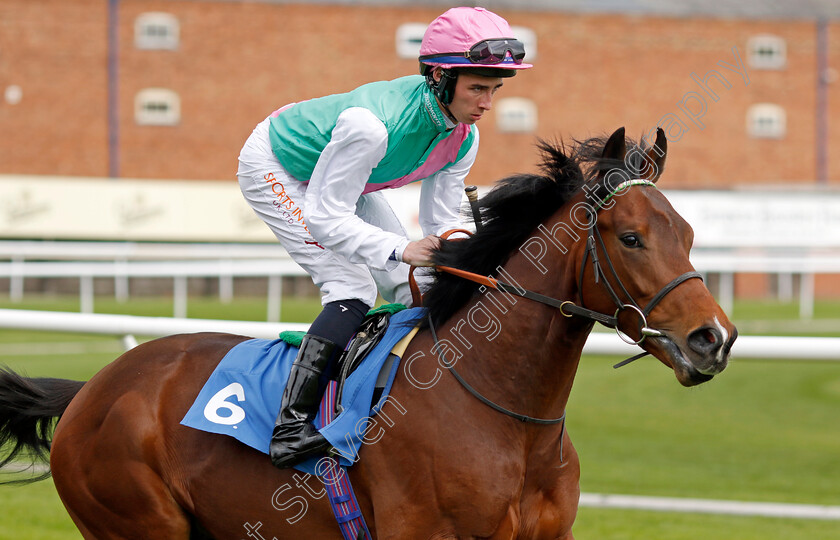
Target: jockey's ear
656, 156
615, 148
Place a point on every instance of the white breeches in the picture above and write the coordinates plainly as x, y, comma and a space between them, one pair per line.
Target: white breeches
278, 198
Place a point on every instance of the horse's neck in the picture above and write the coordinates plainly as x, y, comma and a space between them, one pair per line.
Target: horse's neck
521, 353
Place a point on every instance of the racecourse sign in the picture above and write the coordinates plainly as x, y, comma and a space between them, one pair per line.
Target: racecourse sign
71, 208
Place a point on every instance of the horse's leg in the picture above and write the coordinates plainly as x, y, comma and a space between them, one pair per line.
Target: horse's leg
117, 464
552, 490
104, 463
141, 508
155, 515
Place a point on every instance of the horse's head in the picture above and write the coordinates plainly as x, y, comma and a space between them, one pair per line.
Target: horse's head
635, 262
621, 249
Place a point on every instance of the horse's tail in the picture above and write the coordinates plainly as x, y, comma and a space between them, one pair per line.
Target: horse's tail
29, 410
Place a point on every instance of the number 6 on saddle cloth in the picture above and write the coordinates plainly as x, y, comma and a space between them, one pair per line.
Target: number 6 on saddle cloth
247, 378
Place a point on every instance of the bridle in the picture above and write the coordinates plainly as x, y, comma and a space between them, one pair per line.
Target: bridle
593, 240
571, 309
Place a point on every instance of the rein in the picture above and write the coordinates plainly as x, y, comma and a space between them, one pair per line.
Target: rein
569, 308
418, 300
491, 404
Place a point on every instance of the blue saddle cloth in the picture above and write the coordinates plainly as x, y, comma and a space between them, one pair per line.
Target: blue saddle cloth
241, 398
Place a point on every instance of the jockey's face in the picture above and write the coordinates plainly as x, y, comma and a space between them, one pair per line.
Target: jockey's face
473, 97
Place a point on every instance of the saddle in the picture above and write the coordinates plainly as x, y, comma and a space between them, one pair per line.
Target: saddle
366, 338
240, 398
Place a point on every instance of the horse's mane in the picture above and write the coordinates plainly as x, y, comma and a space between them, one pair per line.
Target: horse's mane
510, 212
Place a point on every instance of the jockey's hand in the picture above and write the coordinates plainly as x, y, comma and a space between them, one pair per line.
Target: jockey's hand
419, 253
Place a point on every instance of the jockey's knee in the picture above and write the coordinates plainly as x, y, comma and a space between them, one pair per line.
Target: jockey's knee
339, 320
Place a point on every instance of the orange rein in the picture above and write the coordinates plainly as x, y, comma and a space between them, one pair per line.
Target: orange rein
417, 296
478, 278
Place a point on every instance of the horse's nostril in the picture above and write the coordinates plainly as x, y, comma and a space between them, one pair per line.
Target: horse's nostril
728, 346
705, 340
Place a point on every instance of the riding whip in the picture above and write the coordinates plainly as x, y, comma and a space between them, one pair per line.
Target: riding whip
472, 196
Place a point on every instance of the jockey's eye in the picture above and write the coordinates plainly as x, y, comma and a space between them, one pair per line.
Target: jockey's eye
631, 240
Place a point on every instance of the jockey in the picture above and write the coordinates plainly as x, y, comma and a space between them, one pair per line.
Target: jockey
313, 172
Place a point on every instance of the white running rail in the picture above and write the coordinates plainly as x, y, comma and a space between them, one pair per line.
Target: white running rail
758, 347
707, 506
128, 326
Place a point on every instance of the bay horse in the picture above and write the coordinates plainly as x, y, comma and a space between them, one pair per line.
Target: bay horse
590, 238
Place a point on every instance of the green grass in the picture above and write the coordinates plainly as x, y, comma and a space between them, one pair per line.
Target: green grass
768, 317
34, 512
761, 431
612, 524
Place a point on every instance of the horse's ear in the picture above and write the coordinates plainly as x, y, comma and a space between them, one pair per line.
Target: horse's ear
616, 147
656, 156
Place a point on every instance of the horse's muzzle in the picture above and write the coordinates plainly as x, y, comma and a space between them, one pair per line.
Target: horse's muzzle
704, 355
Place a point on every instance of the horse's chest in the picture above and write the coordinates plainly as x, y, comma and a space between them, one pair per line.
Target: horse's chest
508, 508
539, 503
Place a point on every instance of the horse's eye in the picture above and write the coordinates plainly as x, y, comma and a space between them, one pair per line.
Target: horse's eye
631, 240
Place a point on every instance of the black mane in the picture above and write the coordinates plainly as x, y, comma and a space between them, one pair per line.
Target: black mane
510, 213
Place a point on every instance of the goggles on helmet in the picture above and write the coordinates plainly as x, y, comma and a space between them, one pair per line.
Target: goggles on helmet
494, 51
488, 52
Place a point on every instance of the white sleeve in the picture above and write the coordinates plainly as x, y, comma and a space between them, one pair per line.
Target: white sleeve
358, 143
441, 194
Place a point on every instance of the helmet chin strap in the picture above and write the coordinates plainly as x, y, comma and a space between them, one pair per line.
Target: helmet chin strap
448, 112
444, 90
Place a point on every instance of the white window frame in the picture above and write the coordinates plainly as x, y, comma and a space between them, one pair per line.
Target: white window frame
155, 40
529, 38
516, 115
766, 51
408, 39
766, 121
13, 94
157, 107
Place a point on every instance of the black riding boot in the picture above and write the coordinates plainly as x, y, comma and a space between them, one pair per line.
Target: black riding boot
294, 437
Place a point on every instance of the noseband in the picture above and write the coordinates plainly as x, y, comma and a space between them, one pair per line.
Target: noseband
569, 308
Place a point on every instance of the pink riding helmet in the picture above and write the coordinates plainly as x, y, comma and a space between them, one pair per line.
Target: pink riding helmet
466, 37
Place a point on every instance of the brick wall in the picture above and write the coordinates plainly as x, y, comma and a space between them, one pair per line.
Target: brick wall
55, 52
238, 61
